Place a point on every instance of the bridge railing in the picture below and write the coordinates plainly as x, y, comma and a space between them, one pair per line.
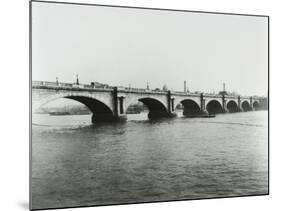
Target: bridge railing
197, 94
128, 89
131, 89
186, 93
69, 85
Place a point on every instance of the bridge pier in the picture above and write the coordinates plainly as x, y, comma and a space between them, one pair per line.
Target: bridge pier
224, 107
240, 109
203, 110
171, 106
251, 104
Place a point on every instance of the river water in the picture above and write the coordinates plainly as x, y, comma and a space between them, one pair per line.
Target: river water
75, 163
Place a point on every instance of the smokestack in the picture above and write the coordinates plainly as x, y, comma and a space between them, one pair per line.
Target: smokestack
184, 89
224, 87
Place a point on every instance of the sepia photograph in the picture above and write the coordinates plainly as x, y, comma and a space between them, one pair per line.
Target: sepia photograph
136, 105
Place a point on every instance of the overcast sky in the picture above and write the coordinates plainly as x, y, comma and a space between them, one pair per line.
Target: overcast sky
121, 46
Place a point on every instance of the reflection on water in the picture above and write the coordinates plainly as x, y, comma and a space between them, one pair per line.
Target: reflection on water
76, 163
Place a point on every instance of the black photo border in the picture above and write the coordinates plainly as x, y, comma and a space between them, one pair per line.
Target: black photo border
143, 8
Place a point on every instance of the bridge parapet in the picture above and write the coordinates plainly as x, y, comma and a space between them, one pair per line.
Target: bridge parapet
232, 96
191, 94
49, 84
137, 90
67, 86
212, 95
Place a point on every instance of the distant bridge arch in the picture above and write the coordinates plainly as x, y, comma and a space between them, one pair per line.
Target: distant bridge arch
256, 105
246, 105
232, 106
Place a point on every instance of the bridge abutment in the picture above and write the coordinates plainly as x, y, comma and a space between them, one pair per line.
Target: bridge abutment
203, 110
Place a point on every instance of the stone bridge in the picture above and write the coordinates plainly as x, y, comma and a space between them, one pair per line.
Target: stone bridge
111, 103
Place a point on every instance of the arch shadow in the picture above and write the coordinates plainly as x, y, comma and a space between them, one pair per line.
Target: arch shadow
232, 106
246, 106
190, 108
256, 105
214, 107
156, 108
101, 112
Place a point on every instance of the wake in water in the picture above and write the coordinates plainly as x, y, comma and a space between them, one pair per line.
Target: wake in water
62, 126
233, 123
136, 121
83, 121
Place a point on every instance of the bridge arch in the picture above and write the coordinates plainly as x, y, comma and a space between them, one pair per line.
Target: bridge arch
246, 106
190, 107
256, 105
101, 112
214, 107
155, 106
232, 106
100, 108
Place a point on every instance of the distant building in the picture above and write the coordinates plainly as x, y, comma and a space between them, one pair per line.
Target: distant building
224, 92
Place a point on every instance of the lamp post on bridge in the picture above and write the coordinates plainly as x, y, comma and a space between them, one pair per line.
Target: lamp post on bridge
171, 105
77, 79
